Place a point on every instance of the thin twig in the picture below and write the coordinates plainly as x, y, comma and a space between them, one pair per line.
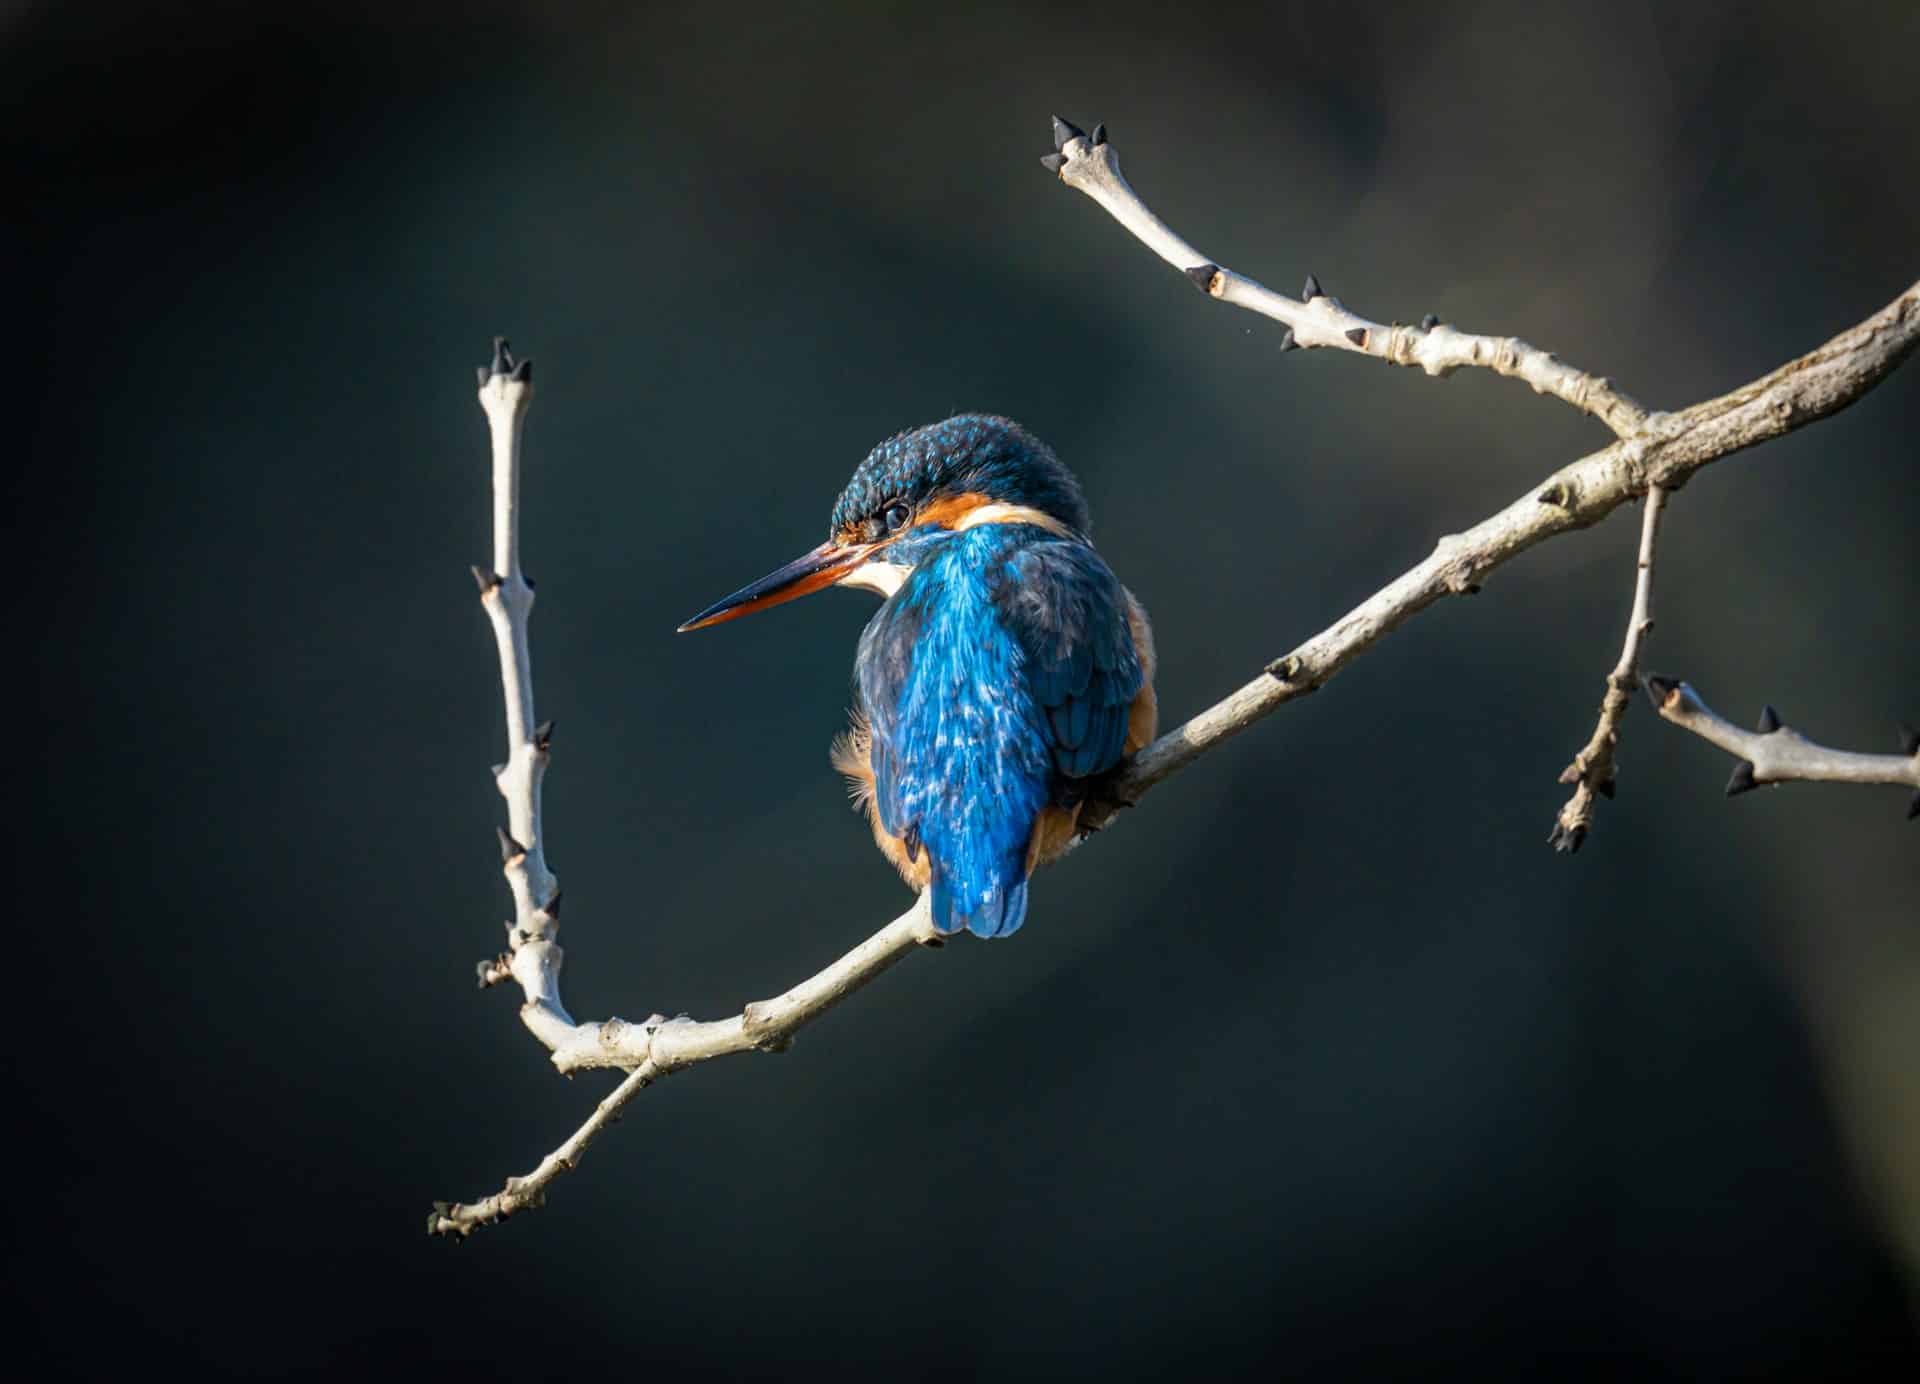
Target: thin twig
1592, 770
1669, 450
1315, 319
533, 956
1777, 753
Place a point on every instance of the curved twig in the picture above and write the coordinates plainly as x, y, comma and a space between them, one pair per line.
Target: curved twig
1089, 164
1777, 753
1592, 770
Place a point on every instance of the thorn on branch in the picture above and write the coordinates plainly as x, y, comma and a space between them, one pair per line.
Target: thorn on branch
552, 907
1661, 690
1203, 276
543, 736
1566, 840
1557, 495
1065, 132
484, 579
1909, 740
1312, 290
1053, 163
1741, 780
1099, 135
1769, 720
1913, 807
510, 849
1357, 335
1429, 322
1289, 342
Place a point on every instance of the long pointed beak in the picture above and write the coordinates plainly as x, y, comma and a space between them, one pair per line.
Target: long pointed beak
806, 574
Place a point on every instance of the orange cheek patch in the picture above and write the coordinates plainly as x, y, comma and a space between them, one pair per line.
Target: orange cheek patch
949, 510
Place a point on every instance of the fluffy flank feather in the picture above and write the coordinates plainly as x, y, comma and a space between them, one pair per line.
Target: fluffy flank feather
852, 756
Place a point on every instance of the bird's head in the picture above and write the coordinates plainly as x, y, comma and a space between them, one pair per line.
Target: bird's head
913, 492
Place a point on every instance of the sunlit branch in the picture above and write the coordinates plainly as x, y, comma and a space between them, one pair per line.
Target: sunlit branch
1089, 164
1656, 453
1777, 753
1592, 770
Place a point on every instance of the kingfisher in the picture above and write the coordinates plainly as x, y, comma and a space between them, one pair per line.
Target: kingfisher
1006, 669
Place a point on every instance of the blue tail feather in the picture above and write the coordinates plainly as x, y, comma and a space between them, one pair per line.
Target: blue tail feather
998, 914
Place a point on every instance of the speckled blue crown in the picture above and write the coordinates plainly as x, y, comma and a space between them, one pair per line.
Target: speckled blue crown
993, 456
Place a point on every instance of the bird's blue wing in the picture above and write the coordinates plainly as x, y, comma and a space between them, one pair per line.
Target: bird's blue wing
1069, 613
1001, 667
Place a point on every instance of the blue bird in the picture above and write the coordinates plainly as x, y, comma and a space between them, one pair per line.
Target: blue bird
1006, 668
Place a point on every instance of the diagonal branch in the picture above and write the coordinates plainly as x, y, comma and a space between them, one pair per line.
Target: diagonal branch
1089, 164
1592, 770
1674, 446
1659, 451
1777, 753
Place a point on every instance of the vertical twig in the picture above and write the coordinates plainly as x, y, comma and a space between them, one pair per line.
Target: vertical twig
1593, 769
533, 954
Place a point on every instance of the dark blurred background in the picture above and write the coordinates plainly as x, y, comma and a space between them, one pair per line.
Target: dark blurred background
1323, 1059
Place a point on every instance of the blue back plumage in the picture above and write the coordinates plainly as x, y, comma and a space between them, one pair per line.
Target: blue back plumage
1001, 672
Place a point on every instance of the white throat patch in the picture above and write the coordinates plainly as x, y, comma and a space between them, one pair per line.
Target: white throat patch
885, 578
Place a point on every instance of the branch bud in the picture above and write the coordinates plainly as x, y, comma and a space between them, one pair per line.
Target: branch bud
1203, 276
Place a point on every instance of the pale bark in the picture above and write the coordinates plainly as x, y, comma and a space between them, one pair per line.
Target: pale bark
1654, 454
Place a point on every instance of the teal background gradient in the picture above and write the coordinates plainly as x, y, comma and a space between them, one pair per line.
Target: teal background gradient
1321, 1064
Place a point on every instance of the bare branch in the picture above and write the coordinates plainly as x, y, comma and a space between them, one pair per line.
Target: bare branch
657, 1047
1660, 450
1592, 770
1315, 319
533, 955
1674, 446
1776, 753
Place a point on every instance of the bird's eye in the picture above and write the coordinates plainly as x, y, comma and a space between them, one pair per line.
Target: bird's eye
896, 517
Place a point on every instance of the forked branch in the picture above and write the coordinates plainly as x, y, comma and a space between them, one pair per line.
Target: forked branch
1652, 450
